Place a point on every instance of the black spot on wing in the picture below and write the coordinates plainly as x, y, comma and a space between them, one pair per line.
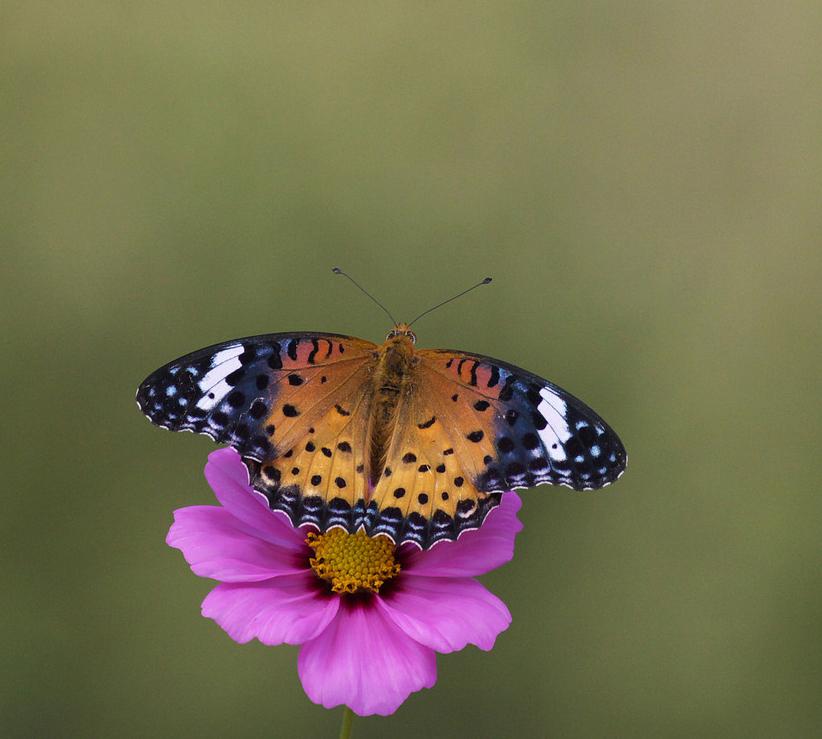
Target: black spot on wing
258, 410
275, 360
505, 444
312, 355
233, 378
473, 375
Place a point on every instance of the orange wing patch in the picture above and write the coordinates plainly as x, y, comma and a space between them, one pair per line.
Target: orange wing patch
304, 401
317, 473
426, 492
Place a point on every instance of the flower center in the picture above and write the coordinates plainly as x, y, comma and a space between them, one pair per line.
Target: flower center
352, 562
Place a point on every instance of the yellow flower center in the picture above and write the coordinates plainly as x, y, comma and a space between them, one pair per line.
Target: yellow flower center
352, 562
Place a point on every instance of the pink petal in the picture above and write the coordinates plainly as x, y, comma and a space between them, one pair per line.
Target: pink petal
362, 660
446, 613
289, 609
475, 552
228, 478
219, 546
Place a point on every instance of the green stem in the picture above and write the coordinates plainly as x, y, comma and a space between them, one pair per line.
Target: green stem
347, 722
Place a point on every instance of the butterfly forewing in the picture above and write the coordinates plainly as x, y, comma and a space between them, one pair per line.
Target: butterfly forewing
252, 393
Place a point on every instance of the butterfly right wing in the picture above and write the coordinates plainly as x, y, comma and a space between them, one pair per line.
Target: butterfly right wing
524, 429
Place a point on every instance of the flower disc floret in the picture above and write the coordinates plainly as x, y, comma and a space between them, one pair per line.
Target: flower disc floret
353, 562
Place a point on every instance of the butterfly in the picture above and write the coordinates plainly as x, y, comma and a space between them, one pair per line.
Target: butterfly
416, 444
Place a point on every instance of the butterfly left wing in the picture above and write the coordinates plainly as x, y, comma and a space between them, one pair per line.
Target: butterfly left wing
251, 393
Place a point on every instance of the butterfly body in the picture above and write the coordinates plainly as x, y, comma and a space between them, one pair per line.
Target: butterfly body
390, 382
414, 444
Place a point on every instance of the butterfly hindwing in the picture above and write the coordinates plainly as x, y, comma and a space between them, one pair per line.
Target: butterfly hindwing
319, 477
253, 393
527, 430
426, 493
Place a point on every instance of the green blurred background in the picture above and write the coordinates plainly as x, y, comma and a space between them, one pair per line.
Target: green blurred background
642, 179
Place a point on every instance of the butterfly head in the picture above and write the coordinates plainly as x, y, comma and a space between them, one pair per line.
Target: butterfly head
402, 329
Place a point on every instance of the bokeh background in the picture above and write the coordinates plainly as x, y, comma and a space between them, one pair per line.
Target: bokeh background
642, 179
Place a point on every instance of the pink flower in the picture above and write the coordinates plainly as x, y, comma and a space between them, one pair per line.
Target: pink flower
368, 650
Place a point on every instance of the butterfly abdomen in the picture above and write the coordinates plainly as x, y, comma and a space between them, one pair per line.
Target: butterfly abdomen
389, 383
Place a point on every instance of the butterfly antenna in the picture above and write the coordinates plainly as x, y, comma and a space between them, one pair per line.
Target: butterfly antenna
459, 295
338, 271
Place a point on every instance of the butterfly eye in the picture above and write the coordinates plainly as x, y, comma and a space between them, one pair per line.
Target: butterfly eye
405, 332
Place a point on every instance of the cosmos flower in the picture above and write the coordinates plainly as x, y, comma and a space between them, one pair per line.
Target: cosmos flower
368, 618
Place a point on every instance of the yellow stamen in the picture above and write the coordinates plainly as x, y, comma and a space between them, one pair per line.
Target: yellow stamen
352, 562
